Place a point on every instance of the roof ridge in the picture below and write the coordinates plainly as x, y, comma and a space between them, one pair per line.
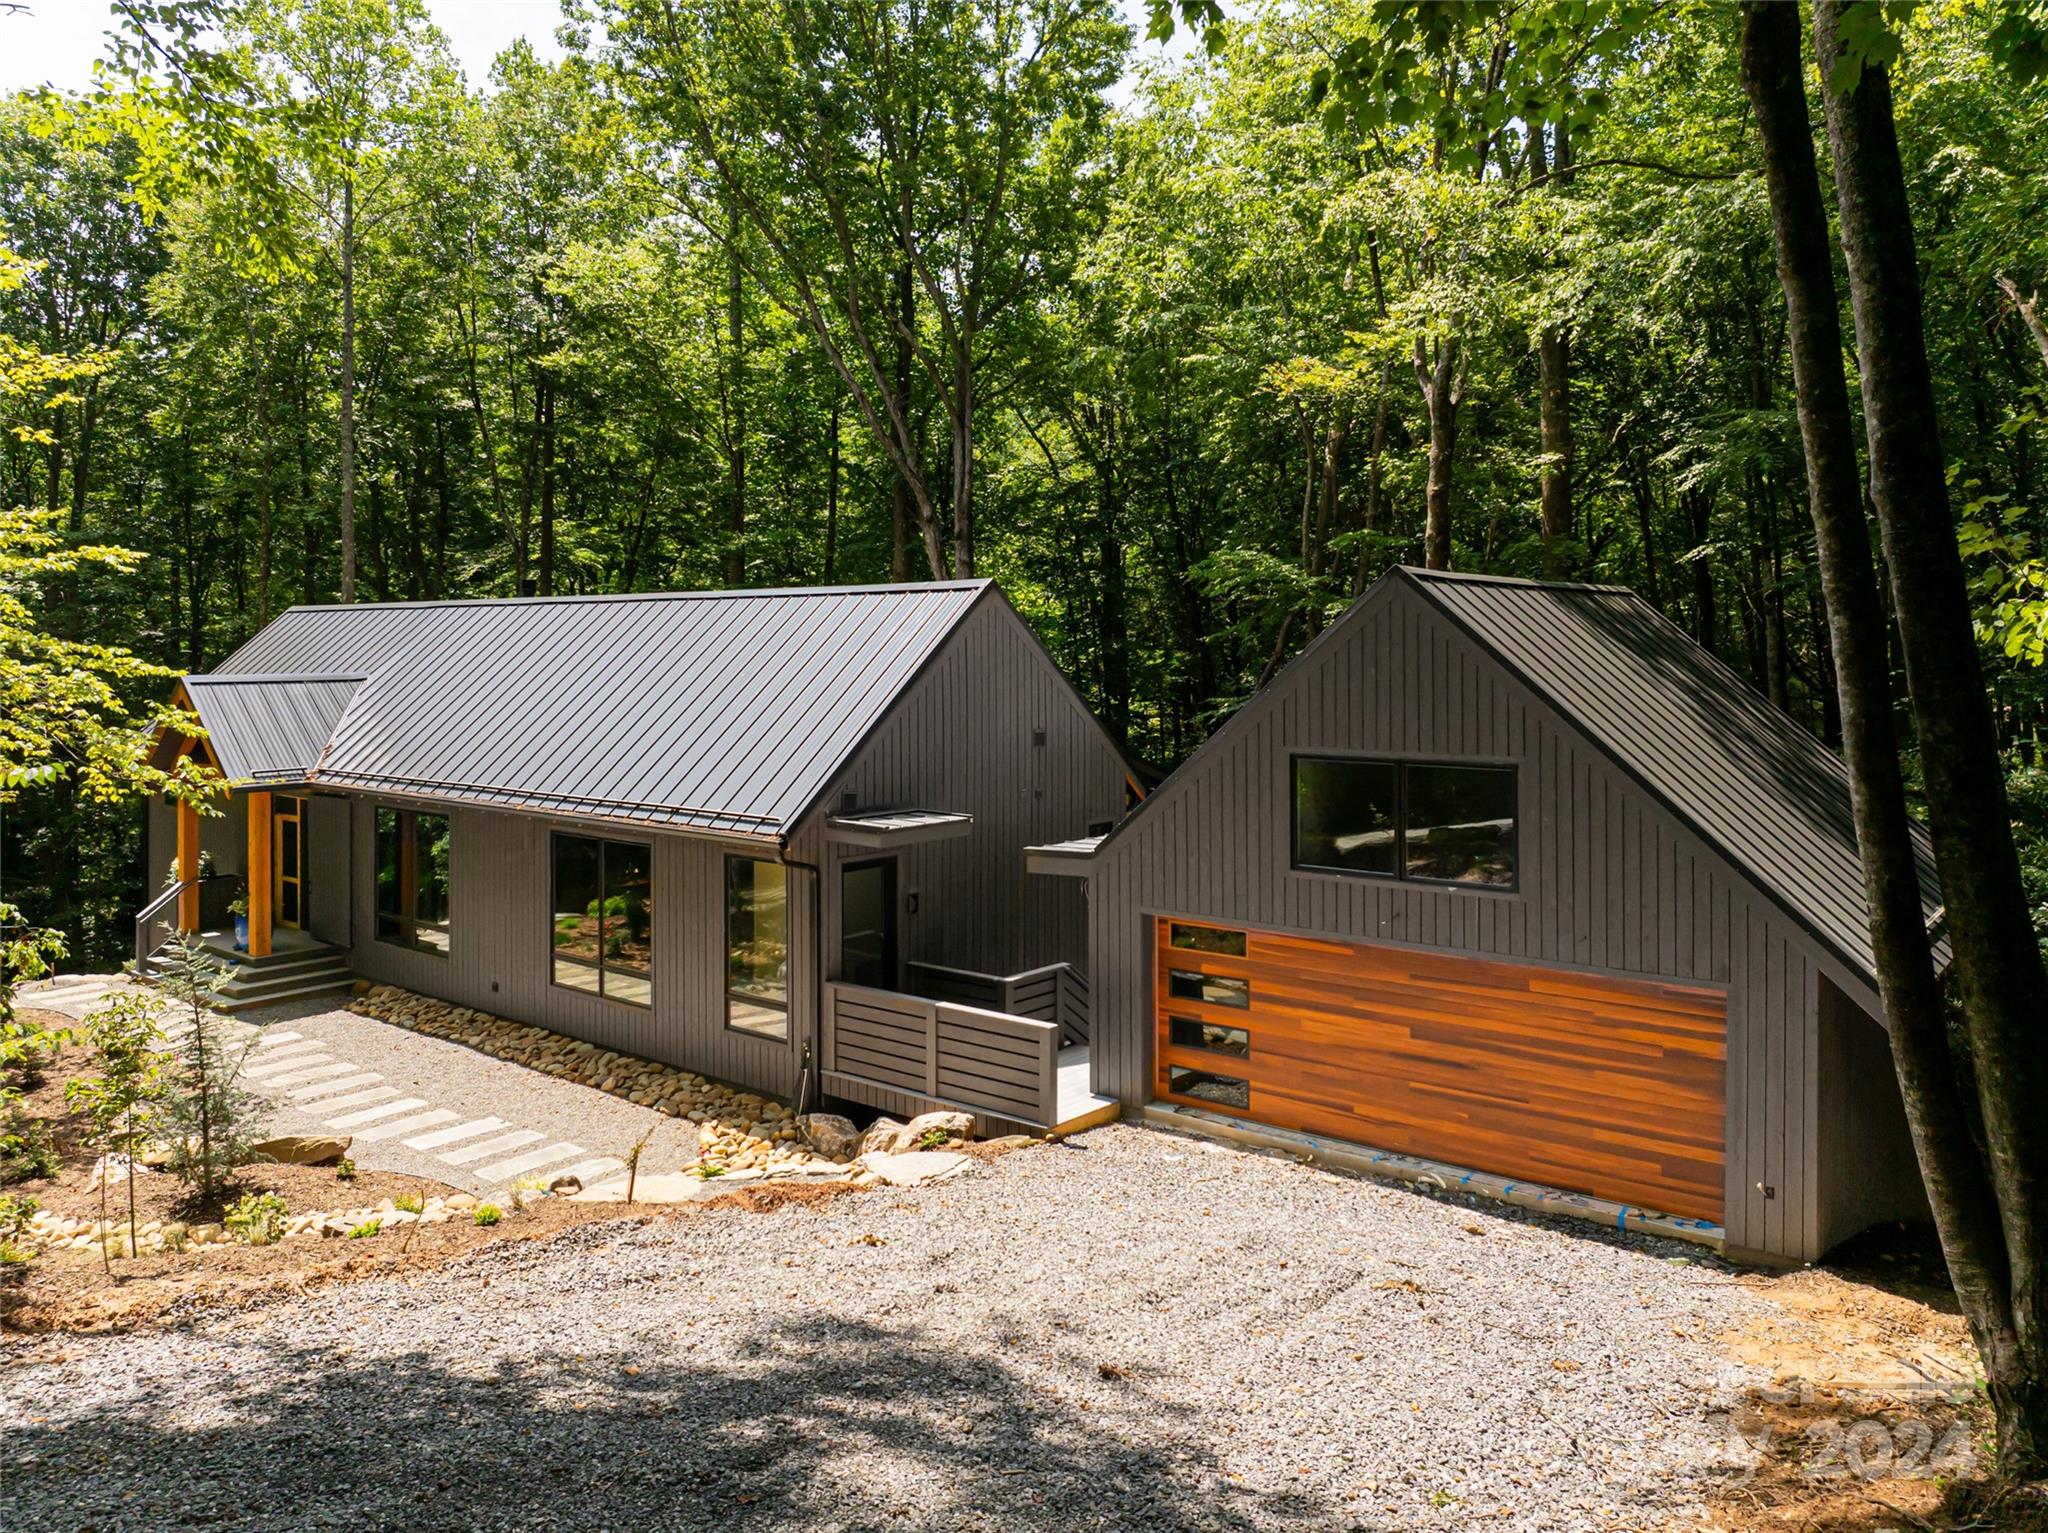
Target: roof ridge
890, 588
1529, 582
238, 678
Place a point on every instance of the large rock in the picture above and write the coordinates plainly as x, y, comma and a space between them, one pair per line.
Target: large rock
830, 1134
304, 1149
914, 1167
954, 1125
884, 1134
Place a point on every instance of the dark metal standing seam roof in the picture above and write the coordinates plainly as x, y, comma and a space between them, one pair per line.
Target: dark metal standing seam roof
719, 711
268, 728
1756, 786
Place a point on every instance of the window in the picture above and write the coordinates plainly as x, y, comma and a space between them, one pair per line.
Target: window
1216, 989
1206, 939
1433, 822
1188, 1033
412, 879
1458, 824
1346, 815
604, 918
1207, 1086
757, 947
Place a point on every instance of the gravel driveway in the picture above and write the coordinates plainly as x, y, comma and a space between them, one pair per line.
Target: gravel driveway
1134, 1330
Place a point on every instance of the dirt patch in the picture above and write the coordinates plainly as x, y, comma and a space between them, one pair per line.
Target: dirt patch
71, 1290
1874, 1418
69, 1293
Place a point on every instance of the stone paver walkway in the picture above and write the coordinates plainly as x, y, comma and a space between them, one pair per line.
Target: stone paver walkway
413, 1103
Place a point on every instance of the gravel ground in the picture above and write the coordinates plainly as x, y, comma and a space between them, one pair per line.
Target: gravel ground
460, 1080
1134, 1330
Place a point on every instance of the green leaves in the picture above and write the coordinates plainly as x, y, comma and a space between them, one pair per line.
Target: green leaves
1466, 69
1868, 40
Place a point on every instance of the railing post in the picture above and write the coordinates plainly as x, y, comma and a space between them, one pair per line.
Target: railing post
931, 1048
1049, 1077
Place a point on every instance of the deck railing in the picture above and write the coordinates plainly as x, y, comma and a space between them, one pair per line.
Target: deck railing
1053, 992
978, 1060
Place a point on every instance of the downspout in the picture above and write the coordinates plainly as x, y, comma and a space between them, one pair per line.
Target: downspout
812, 1044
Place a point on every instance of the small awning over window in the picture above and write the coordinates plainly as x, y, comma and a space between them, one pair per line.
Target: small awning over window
882, 829
1063, 859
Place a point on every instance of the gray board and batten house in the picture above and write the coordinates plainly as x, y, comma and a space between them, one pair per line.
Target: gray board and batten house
1498, 878
1515, 876
678, 825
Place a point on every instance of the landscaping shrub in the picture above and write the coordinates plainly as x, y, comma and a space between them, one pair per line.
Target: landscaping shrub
257, 1218
213, 1123
366, 1229
27, 1149
120, 1101
488, 1214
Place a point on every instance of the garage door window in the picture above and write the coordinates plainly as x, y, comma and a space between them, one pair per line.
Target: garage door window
1432, 822
1207, 1086
1207, 939
1216, 989
1210, 1037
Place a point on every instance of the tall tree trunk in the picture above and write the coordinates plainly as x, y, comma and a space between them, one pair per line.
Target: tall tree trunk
1369, 518
832, 490
347, 435
1441, 395
53, 496
81, 461
736, 411
1113, 638
901, 513
1997, 1255
2029, 309
1554, 374
546, 568
963, 465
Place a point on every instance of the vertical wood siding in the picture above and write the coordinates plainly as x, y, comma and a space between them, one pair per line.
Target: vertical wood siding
329, 867
1608, 882
960, 739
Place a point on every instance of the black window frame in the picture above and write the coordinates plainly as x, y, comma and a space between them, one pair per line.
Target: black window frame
1402, 765
601, 993
725, 951
407, 915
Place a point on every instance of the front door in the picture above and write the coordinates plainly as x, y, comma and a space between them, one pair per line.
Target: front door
867, 923
290, 841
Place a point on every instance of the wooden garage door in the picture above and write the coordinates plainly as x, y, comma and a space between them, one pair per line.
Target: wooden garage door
1612, 1087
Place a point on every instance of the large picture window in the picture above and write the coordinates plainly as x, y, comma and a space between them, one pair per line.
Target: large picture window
412, 879
757, 947
604, 918
1432, 822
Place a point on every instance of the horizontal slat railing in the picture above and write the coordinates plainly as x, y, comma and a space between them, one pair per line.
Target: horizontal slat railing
1054, 992
969, 1057
937, 982
1075, 1015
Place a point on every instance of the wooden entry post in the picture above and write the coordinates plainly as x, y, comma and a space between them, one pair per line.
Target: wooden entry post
262, 873
188, 867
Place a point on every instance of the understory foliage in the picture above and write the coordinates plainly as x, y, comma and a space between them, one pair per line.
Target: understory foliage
1182, 349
